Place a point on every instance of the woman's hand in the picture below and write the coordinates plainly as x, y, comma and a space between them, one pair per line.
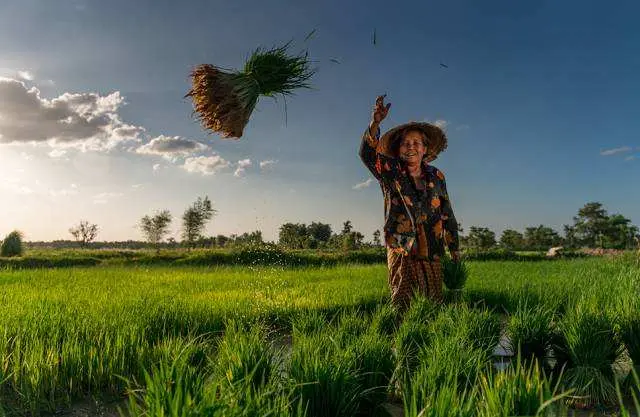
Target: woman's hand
379, 113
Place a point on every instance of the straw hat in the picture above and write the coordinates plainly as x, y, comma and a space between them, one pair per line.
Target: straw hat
435, 139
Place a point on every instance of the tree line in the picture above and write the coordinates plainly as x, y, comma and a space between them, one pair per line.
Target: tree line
593, 227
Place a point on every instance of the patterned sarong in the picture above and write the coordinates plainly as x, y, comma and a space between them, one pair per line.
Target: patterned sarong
409, 275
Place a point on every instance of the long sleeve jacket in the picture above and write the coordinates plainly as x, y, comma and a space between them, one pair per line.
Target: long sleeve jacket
407, 208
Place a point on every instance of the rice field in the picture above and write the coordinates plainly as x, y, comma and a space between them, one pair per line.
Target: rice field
321, 341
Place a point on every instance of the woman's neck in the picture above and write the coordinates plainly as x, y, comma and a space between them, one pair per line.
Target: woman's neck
414, 170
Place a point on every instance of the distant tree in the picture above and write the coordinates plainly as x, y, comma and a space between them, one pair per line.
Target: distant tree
221, 240
481, 238
376, 238
12, 245
347, 227
351, 240
541, 238
253, 238
84, 233
570, 239
294, 236
320, 232
620, 232
156, 227
195, 219
512, 240
591, 224
593, 227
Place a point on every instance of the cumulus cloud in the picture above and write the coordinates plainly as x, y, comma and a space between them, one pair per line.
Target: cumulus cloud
241, 167
205, 165
26, 75
364, 184
614, 151
171, 147
268, 163
86, 121
104, 198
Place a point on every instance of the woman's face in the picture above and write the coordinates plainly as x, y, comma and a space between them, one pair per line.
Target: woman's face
412, 147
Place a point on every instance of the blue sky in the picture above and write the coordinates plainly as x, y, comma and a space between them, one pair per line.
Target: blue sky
540, 102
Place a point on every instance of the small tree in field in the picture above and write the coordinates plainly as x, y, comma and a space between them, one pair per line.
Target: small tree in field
156, 227
195, 219
12, 245
84, 233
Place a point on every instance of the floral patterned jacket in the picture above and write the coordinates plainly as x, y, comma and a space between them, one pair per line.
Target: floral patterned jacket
406, 208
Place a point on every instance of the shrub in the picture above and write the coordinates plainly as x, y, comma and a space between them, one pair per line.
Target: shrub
12, 245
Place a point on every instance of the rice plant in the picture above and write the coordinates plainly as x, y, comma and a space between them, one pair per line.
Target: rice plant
478, 328
587, 347
521, 390
410, 338
626, 409
629, 330
325, 379
385, 320
245, 355
455, 274
447, 401
530, 331
375, 364
421, 310
173, 387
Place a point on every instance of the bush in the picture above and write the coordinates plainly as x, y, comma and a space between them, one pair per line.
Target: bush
12, 245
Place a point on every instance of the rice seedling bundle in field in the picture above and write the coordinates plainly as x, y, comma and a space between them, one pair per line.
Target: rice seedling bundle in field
587, 347
447, 401
455, 274
530, 330
224, 100
521, 390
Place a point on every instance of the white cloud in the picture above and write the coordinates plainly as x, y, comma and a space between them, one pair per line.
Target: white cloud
614, 151
136, 186
442, 124
462, 127
57, 153
156, 167
364, 184
630, 158
26, 75
205, 165
86, 121
104, 198
171, 147
268, 163
241, 167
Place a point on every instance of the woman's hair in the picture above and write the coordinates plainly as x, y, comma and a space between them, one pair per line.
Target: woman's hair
395, 145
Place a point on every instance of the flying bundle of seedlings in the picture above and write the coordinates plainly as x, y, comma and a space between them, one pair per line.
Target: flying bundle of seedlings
224, 100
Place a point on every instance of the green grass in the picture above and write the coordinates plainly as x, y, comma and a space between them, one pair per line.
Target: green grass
72, 332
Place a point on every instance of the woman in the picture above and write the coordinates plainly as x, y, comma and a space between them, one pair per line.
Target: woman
419, 220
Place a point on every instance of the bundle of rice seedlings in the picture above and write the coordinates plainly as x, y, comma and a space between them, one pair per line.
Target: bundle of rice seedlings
421, 310
351, 325
455, 274
375, 364
173, 387
446, 359
629, 330
324, 378
410, 338
445, 402
477, 328
530, 331
586, 346
385, 320
224, 100
245, 355
521, 390
625, 409
309, 322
